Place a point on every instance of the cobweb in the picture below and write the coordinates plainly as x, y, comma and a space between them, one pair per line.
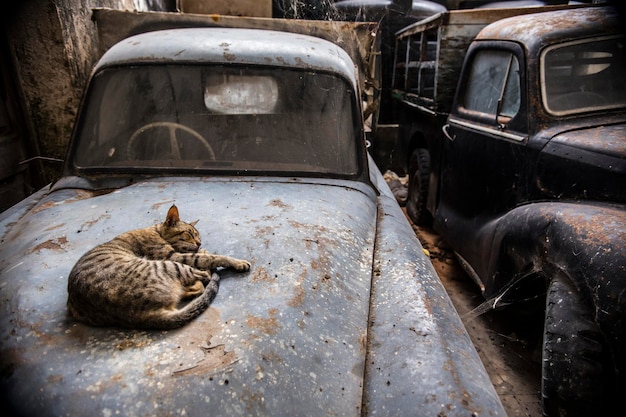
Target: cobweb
325, 10
305, 9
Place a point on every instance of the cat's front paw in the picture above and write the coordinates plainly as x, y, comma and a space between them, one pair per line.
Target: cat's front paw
240, 265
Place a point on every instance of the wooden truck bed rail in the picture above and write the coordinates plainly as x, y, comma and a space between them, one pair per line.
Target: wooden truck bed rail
429, 54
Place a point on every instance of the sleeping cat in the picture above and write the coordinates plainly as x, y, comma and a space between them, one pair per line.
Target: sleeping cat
139, 278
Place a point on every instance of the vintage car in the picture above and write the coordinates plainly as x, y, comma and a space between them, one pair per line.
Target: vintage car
527, 183
259, 135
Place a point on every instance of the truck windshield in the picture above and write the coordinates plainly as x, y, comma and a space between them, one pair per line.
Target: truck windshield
158, 118
584, 76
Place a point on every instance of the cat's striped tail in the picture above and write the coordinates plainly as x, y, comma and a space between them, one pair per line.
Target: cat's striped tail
177, 318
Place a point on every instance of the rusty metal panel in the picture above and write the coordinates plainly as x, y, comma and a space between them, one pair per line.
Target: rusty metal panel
293, 336
415, 334
457, 19
537, 30
358, 39
288, 336
231, 46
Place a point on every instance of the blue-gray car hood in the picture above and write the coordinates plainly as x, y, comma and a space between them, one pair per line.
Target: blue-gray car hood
290, 337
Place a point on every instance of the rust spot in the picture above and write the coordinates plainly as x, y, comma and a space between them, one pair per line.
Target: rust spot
268, 325
253, 400
260, 274
105, 385
264, 231
363, 343
90, 223
44, 206
55, 379
315, 228
593, 232
272, 357
84, 194
54, 227
56, 244
132, 343
279, 203
157, 206
215, 358
298, 297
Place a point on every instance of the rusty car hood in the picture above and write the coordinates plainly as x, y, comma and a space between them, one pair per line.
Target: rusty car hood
604, 139
289, 335
342, 313
597, 160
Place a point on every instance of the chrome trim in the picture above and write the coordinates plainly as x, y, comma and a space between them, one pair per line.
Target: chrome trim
489, 130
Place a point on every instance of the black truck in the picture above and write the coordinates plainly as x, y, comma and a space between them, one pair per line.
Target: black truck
513, 135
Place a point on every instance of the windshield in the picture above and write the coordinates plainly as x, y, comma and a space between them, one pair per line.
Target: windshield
159, 118
584, 76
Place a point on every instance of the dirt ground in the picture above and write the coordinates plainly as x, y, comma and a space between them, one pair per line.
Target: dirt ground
508, 346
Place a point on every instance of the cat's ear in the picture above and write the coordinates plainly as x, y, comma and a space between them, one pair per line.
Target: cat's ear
194, 223
172, 216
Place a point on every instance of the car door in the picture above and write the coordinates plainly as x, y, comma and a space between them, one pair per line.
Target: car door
484, 153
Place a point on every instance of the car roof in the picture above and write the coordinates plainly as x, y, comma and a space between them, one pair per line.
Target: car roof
229, 46
539, 29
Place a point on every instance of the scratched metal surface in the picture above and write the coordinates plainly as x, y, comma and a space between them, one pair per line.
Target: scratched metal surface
304, 301
289, 337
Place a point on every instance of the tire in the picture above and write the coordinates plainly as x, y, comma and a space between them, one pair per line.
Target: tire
419, 174
576, 377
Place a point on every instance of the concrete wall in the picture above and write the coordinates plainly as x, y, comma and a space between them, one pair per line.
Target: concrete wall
54, 44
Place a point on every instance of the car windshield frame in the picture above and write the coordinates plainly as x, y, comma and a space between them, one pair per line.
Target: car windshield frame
255, 120
584, 76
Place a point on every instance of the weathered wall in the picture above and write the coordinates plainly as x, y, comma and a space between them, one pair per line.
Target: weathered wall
55, 44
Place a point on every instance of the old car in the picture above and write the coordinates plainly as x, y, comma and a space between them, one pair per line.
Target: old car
525, 178
257, 133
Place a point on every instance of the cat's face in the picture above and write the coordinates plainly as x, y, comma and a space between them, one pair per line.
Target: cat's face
183, 237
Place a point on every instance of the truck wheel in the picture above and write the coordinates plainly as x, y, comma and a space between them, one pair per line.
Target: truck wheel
419, 172
575, 376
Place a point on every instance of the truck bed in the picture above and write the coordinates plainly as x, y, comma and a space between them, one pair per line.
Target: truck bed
430, 53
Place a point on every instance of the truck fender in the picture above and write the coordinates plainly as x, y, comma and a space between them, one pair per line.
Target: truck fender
584, 241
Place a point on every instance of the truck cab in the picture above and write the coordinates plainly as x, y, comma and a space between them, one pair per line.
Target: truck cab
524, 176
543, 105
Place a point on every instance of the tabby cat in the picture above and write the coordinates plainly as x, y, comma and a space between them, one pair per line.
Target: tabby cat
140, 278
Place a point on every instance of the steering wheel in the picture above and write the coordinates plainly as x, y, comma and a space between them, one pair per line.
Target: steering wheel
172, 127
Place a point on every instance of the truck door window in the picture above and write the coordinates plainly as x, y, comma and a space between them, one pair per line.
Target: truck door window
493, 86
584, 76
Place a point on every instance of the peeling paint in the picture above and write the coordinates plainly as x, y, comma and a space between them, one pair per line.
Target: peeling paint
56, 244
